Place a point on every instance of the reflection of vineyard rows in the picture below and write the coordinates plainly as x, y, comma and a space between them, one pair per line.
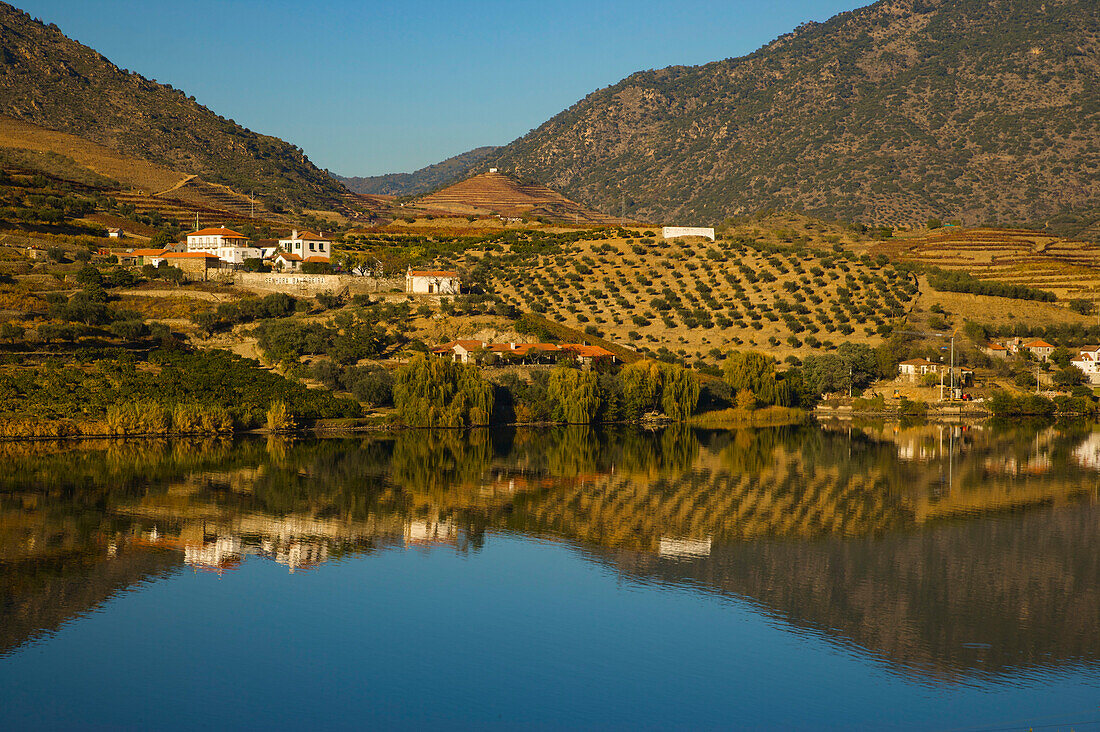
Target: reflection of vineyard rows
792, 498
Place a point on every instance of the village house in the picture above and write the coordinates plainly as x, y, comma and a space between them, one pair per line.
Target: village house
115, 233
996, 350
915, 368
671, 232
285, 262
308, 246
227, 245
432, 282
468, 351
1041, 350
196, 265
146, 256
1088, 361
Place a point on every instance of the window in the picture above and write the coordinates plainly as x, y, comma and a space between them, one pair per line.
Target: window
311, 247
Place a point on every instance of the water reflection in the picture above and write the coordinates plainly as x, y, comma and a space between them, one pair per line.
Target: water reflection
955, 551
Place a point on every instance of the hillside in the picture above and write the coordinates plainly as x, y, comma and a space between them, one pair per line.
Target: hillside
497, 193
51, 80
421, 181
894, 113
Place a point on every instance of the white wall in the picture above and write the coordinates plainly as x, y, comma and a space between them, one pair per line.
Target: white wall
442, 285
671, 232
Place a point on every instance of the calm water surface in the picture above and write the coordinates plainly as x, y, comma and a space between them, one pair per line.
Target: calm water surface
876, 577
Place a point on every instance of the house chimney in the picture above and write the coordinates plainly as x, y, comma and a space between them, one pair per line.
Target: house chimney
294, 235
512, 346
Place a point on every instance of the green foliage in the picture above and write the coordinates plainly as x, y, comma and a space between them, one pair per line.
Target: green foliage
1084, 307
652, 386
755, 372
436, 392
959, 281
574, 395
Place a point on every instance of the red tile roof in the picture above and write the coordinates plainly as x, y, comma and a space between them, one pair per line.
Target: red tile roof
305, 236
431, 273
190, 255
288, 257
586, 351
1038, 344
148, 252
219, 231
316, 258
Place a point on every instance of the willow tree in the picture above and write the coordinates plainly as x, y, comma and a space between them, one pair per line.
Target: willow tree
437, 392
755, 372
642, 382
679, 392
650, 386
575, 395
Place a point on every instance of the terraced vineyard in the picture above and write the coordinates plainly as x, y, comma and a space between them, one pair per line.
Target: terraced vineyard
696, 297
1069, 269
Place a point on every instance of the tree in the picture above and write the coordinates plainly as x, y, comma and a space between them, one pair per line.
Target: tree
1069, 376
437, 392
574, 394
746, 400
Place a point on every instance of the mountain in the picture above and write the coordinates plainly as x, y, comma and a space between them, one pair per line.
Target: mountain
978, 110
422, 181
497, 193
52, 81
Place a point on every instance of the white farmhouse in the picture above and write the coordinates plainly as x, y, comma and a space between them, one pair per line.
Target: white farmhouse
671, 232
1088, 360
229, 246
432, 282
310, 247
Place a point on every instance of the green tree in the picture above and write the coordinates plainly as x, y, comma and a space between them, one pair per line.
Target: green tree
437, 392
575, 395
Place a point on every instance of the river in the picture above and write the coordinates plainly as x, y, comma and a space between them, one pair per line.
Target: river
876, 576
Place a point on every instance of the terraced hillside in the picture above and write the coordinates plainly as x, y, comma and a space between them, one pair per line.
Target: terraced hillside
496, 193
1069, 269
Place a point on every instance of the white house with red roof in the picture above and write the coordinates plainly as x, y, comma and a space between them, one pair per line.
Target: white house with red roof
917, 367
1088, 360
308, 246
228, 245
432, 282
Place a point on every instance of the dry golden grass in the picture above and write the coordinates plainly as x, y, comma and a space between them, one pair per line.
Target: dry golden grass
146, 176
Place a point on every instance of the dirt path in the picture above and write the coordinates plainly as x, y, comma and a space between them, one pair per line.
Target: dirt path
178, 185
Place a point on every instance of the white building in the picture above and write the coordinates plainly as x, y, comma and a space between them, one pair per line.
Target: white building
114, 233
309, 246
1088, 360
671, 232
917, 367
229, 246
432, 282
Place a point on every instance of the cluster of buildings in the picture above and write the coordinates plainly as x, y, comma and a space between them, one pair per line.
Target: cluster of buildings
1087, 358
916, 368
220, 248
1040, 350
524, 353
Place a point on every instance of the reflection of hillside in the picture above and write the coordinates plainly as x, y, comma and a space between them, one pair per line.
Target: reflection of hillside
978, 597
862, 547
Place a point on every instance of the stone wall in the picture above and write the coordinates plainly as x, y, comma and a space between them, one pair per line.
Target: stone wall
311, 284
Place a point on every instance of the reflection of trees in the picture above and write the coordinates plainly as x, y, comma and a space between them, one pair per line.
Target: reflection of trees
431, 461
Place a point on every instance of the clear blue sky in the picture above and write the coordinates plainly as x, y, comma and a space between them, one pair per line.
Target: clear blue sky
367, 87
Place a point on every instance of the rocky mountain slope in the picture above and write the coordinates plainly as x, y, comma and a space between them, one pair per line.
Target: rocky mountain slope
51, 80
907, 109
500, 194
421, 181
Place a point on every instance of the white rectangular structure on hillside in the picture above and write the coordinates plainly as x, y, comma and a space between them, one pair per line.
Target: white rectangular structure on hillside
671, 232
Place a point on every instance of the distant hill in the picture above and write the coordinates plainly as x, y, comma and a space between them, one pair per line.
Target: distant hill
496, 193
52, 81
422, 181
907, 109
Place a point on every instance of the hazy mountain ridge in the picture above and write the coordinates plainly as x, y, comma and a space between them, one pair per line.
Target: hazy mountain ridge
422, 181
896, 112
51, 80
